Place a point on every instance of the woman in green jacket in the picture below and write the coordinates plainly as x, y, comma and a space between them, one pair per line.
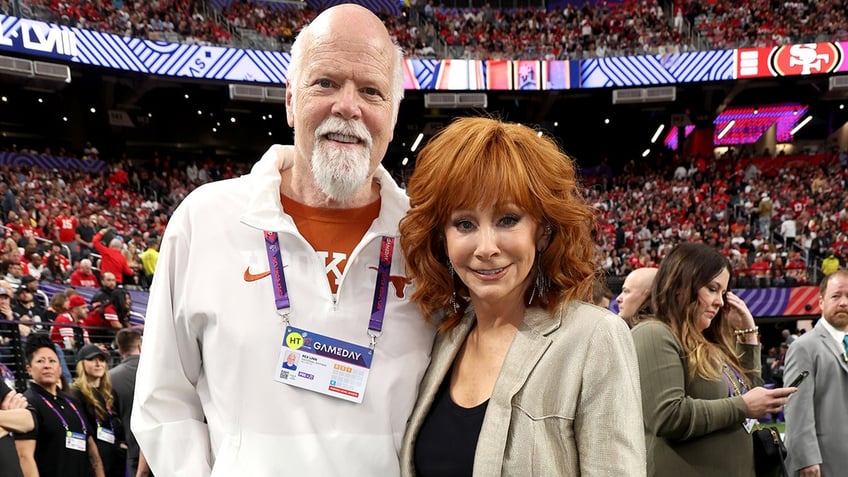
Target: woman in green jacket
699, 364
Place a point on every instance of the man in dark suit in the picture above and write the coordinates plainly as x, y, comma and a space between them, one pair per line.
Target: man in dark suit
816, 416
123, 386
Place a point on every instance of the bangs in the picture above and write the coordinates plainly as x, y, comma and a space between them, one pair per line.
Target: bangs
488, 169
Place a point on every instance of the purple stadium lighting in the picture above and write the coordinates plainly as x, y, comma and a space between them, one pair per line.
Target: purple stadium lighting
750, 122
671, 137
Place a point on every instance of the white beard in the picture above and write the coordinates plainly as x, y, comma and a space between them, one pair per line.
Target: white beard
341, 172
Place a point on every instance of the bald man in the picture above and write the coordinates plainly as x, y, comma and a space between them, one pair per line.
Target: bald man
288, 258
635, 298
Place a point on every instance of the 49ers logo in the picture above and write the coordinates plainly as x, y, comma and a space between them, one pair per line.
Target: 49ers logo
805, 59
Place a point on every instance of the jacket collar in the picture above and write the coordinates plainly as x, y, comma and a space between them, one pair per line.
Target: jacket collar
830, 344
265, 212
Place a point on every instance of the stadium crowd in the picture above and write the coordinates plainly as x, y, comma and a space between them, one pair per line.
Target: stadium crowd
726, 24
781, 221
595, 29
49, 211
780, 225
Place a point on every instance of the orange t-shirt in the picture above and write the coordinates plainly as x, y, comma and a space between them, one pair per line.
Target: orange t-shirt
333, 233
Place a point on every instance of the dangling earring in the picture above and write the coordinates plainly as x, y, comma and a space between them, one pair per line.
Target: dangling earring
542, 283
452, 301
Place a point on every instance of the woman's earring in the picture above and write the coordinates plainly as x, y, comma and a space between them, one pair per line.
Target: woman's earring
452, 301
542, 284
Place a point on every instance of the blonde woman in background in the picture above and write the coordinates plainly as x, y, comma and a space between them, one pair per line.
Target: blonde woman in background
93, 389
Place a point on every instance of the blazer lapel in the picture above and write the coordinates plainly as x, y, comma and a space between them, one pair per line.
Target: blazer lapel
528, 347
445, 348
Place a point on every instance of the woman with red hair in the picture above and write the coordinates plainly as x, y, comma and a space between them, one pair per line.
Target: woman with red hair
526, 377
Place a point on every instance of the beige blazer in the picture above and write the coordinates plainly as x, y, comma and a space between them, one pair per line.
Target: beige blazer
567, 400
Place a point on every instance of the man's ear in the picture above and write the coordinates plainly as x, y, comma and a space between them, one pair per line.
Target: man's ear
289, 105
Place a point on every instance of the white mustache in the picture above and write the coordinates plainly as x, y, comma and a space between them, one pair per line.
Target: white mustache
336, 125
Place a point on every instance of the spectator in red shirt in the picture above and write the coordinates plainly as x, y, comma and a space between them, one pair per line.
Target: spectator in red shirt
66, 227
761, 269
68, 337
112, 260
83, 276
56, 250
102, 319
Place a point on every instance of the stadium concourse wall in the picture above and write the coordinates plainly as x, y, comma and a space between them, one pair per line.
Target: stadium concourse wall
32, 38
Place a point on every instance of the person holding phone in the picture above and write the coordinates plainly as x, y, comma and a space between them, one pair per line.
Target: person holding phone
699, 364
817, 417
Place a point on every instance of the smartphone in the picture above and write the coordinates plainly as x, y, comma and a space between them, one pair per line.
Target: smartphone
799, 379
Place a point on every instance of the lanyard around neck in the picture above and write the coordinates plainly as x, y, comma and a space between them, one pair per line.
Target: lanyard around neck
61, 417
381, 288
735, 385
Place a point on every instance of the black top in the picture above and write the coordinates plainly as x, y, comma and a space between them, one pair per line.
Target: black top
8, 454
51, 456
447, 439
111, 454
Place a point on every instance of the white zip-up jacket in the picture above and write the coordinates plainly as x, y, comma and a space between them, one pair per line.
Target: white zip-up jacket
206, 402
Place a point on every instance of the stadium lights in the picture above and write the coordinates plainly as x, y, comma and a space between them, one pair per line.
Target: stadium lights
646, 152
417, 142
800, 125
657, 134
405, 161
726, 128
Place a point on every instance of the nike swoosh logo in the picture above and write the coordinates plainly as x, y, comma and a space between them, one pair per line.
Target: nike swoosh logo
252, 277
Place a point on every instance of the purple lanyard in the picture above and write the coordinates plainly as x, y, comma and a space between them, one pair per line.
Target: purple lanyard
278, 276
730, 387
61, 417
381, 289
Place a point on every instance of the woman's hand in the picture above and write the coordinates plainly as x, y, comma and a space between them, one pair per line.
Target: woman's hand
738, 314
760, 401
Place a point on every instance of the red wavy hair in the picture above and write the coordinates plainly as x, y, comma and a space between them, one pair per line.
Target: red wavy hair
486, 161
